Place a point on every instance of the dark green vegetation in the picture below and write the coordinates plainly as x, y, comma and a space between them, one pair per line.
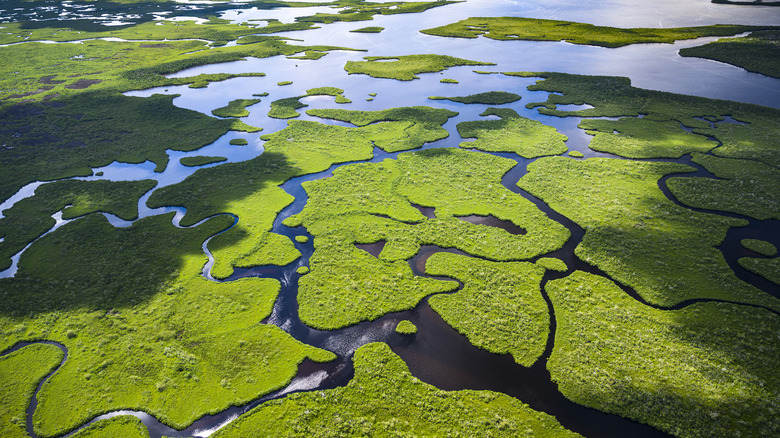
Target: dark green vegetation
372, 202
235, 108
31, 217
767, 268
370, 29
746, 162
406, 327
525, 137
637, 235
576, 154
251, 190
121, 426
144, 329
709, 369
239, 142
487, 98
743, 186
405, 68
631, 137
760, 246
384, 399
758, 52
500, 309
200, 160
361, 10
534, 29
20, 373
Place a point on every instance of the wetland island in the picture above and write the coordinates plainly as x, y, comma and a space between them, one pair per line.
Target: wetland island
356, 218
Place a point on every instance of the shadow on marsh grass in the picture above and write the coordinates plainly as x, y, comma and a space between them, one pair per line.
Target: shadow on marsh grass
90, 264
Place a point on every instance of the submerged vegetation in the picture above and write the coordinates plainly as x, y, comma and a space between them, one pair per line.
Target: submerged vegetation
535, 29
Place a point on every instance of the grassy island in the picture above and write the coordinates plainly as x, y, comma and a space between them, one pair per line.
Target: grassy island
405, 68
384, 397
535, 29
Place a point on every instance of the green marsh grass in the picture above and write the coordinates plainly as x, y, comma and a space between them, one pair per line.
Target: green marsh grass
512, 133
384, 399
706, 370
534, 29
20, 373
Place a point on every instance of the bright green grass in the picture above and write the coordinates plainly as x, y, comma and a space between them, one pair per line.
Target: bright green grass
576, 154
384, 399
250, 189
707, 370
311, 55
301, 239
31, 217
405, 68
758, 52
667, 253
767, 268
283, 83
347, 285
235, 108
631, 137
449, 81
760, 246
744, 187
534, 29
552, 264
512, 133
302, 270
359, 11
615, 97
370, 29
124, 426
143, 328
200, 160
286, 108
409, 127
500, 308
406, 327
20, 373
487, 98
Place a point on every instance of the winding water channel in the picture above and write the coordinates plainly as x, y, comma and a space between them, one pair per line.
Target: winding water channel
437, 354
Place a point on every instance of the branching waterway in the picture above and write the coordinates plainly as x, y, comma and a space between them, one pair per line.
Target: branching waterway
437, 354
